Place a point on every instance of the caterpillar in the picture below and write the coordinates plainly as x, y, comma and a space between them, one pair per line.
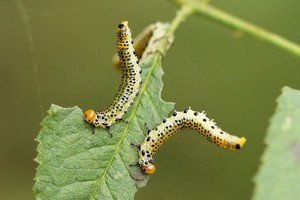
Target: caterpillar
130, 82
178, 121
147, 42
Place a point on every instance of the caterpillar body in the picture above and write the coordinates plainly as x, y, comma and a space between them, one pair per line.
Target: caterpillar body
130, 82
178, 121
146, 43
140, 44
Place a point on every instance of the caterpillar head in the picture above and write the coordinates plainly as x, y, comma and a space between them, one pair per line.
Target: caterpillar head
89, 116
148, 169
147, 165
123, 30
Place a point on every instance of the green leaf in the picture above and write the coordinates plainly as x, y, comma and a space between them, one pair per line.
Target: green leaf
74, 163
279, 174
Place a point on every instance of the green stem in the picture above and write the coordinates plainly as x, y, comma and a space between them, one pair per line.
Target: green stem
185, 11
226, 19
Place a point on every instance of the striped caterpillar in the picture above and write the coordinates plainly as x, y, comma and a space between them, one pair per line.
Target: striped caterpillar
178, 121
130, 82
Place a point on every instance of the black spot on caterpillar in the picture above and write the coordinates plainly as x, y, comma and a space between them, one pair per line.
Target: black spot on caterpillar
130, 82
178, 121
146, 43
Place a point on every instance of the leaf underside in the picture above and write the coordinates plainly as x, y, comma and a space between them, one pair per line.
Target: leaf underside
74, 163
279, 174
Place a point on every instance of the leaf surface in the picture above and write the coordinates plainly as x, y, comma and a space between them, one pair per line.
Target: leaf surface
74, 163
279, 173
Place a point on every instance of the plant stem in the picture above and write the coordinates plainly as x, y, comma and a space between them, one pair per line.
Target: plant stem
204, 9
185, 11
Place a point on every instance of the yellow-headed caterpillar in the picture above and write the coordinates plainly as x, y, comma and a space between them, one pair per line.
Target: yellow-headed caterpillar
178, 121
147, 42
130, 82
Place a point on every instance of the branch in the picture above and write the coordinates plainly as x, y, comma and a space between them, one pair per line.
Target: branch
204, 9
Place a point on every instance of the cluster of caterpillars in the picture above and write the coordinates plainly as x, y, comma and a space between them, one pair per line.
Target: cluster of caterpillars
130, 82
129, 89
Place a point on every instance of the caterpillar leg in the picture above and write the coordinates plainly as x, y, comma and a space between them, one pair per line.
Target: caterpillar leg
147, 127
136, 164
107, 128
137, 146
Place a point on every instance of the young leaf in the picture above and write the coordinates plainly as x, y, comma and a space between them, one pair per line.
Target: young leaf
279, 174
74, 163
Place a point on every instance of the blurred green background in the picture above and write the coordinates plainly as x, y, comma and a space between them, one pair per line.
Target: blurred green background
235, 80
